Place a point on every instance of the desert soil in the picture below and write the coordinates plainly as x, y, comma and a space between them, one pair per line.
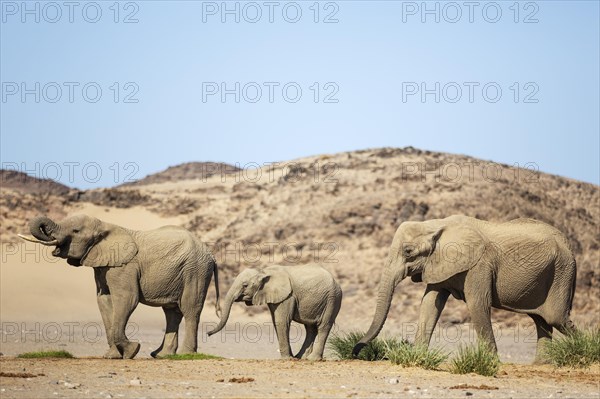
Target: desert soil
251, 367
99, 378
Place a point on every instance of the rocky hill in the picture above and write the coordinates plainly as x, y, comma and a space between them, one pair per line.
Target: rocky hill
187, 171
23, 196
342, 210
23, 183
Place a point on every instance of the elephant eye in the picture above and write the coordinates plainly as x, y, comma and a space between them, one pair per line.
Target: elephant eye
76, 230
408, 252
245, 285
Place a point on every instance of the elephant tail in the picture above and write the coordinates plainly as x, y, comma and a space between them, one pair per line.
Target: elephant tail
218, 295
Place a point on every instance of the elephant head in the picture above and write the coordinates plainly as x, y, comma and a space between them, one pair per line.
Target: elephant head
255, 287
84, 240
432, 252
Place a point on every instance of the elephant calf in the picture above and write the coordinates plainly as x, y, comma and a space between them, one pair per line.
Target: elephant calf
306, 294
165, 267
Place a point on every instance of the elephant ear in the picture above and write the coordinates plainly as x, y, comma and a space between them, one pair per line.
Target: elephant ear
276, 287
112, 246
455, 249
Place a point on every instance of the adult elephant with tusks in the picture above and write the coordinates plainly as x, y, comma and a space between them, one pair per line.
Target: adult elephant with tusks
166, 267
524, 265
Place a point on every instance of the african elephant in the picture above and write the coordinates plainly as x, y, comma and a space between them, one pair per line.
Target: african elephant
165, 267
306, 294
523, 265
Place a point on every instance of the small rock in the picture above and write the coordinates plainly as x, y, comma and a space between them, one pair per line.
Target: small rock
135, 381
394, 381
469, 393
108, 396
71, 385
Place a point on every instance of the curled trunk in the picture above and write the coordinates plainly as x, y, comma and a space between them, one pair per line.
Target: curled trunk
232, 294
42, 228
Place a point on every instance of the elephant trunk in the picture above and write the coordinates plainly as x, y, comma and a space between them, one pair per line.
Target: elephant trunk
42, 228
389, 280
232, 294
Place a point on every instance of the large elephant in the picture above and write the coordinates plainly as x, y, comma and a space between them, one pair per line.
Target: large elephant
523, 265
306, 294
165, 267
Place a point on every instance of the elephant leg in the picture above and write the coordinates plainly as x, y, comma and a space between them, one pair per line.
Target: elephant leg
124, 304
323, 329
281, 314
481, 318
432, 304
192, 302
190, 341
478, 296
320, 340
311, 334
544, 335
106, 311
170, 340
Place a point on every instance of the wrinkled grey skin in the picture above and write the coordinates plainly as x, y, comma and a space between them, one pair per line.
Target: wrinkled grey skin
306, 294
523, 265
165, 267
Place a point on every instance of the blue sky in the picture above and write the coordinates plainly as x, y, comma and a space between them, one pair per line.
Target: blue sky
370, 68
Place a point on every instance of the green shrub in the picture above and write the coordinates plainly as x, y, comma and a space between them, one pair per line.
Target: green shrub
343, 344
478, 359
579, 349
53, 354
191, 356
409, 355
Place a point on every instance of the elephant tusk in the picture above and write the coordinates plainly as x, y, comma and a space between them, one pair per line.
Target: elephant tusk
32, 239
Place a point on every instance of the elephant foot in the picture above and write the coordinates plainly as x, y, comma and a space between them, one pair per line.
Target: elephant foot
314, 358
160, 352
113, 353
130, 349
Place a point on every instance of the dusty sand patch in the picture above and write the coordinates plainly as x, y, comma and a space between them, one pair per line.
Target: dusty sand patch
99, 378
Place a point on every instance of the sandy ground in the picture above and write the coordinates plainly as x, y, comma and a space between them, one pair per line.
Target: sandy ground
99, 378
